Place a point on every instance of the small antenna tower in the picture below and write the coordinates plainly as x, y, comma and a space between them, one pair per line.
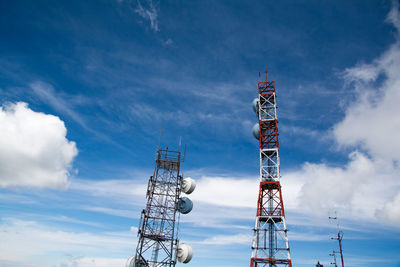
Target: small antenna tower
339, 237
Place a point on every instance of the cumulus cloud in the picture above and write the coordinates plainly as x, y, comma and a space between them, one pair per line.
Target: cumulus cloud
34, 150
368, 186
391, 209
356, 189
373, 121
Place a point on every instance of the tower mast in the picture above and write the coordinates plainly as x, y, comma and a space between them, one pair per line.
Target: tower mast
270, 242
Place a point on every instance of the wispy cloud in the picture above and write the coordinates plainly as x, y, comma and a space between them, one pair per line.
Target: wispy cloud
113, 211
47, 94
65, 105
227, 239
121, 190
246, 239
148, 11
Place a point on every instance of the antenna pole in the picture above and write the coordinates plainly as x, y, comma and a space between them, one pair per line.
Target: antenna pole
159, 137
339, 237
334, 258
184, 154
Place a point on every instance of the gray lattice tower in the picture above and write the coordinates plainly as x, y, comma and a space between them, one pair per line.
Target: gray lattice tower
158, 241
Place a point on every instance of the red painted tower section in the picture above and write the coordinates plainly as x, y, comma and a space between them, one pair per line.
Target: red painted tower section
270, 242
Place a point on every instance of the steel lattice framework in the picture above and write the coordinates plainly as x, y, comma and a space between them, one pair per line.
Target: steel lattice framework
157, 233
270, 242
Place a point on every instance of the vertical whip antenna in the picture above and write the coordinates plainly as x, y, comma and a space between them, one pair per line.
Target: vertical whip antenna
159, 137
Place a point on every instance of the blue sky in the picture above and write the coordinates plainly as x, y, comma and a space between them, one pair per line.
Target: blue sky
86, 85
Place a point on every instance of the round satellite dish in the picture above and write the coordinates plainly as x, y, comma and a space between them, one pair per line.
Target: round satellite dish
184, 253
130, 262
188, 185
255, 105
256, 131
185, 205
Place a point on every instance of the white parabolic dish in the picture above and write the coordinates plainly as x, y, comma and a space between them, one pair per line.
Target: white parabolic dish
184, 253
256, 131
130, 262
188, 185
255, 105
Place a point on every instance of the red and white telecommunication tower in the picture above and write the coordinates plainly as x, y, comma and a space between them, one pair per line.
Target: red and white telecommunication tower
270, 242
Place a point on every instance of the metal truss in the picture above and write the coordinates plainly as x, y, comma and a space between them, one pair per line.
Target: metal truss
270, 242
157, 232
269, 162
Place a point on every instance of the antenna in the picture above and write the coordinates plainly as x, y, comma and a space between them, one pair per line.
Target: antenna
333, 254
339, 236
159, 137
184, 154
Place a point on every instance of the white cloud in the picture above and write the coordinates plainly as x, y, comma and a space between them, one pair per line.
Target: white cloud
150, 13
393, 16
34, 150
228, 192
28, 240
96, 262
368, 186
122, 190
391, 209
113, 211
373, 120
246, 238
228, 239
169, 41
355, 189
